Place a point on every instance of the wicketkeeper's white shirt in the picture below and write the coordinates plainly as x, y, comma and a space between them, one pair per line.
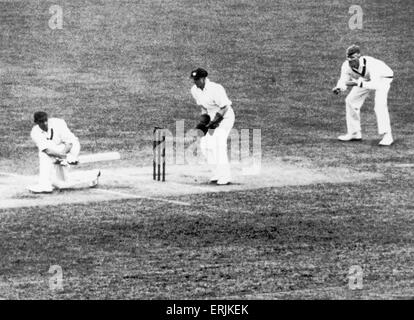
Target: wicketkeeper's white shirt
58, 133
370, 74
212, 97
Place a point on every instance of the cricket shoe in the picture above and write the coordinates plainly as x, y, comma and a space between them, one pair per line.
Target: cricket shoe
356, 136
38, 188
215, 178
94, 183
387, 140
223, 181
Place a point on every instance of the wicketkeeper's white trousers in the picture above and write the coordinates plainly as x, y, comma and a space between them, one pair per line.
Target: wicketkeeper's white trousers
355, 100
214, 146
51, 174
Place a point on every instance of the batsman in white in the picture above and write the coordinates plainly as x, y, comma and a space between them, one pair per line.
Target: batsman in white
58, 149
365, 74
213, 100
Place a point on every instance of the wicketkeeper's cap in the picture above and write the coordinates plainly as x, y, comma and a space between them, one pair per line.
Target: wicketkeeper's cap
40, 117
352, 50
198, 73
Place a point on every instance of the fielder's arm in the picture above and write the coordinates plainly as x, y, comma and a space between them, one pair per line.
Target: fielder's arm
352, 83
224, 103
69, 139
341, 85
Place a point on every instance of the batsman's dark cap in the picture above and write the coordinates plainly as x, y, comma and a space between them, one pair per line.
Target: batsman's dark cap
198, 73
352, 50
40, 117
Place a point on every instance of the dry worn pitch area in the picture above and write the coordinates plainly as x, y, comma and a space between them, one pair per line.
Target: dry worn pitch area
181, 180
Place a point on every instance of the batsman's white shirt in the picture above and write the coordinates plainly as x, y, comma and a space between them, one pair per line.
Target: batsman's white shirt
58, 133
212, 97
370, 74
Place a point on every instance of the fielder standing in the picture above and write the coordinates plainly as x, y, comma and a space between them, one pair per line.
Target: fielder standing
58, 148
365, 74
213, 100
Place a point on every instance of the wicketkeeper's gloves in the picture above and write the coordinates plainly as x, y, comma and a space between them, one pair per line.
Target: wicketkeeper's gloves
216, 121
203, 123
62, 162
336, 90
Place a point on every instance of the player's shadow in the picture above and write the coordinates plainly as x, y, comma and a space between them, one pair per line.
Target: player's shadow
210, 183
375, 143
344, 143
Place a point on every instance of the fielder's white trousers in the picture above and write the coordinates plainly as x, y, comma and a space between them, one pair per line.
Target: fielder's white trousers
214, 146
51, 174
355, 100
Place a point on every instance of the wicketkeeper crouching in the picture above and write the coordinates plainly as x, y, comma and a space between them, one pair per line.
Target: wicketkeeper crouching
216, 122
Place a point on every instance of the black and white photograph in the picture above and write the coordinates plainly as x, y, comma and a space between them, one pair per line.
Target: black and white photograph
191, 151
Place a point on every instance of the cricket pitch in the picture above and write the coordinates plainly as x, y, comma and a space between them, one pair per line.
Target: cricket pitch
137, 183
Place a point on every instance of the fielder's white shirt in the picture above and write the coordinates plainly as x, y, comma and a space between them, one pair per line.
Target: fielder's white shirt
370, 74
213, 97
57, 133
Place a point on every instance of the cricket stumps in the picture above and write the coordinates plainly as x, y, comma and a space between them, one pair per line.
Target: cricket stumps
158, 163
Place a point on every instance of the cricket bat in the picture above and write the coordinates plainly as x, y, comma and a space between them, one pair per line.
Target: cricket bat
98, 157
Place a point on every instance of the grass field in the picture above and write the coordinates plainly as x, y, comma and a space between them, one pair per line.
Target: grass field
117, 68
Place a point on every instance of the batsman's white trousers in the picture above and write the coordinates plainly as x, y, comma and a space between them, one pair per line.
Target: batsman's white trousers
355, 100
51, 174
214, 146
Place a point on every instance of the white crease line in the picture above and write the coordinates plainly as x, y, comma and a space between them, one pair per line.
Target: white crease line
134, 196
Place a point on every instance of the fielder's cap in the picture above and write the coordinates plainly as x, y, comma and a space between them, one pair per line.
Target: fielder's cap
352, 50
40, 116
198, 73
